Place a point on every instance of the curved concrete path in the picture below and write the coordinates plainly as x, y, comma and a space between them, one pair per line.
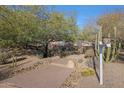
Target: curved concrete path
47, 77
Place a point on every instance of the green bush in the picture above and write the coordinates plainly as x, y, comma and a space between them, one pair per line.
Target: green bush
6, 43
87, 72
2, 58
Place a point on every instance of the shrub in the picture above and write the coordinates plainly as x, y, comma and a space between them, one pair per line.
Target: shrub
6, 43
87, 72
2, 58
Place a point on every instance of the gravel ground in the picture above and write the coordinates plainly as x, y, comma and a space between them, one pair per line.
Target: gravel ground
113, 77
113, 74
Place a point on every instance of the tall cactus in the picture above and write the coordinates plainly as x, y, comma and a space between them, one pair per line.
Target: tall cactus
108, 52
96, 42
119, 47
99, 37
114, 45
97, 46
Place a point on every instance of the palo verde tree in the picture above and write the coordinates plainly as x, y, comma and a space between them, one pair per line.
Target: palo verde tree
56, 27
21, 25
17, 27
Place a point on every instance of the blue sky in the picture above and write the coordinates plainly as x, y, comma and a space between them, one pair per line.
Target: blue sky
86, 13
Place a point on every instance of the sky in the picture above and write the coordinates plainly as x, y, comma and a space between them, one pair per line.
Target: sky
87, 13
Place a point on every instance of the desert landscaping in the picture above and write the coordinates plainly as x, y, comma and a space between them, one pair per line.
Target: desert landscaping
45, 47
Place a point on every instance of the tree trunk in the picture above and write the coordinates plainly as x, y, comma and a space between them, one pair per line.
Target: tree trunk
45, 54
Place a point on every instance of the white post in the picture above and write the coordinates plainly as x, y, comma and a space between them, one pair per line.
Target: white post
101, 66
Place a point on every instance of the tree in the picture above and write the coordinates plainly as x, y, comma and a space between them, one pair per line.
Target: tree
88, 33
111, 20
57, 27
19, 27
112, 26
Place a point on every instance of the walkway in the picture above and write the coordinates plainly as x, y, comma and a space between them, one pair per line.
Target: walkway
48, 76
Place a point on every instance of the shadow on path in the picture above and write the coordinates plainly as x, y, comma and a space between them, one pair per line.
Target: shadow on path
94, 66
